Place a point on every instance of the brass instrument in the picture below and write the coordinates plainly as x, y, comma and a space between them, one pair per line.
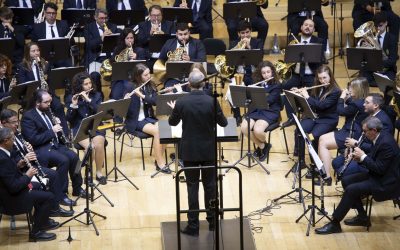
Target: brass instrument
159, 68
133, 91
157, 27
40, 16
106, 66
369, 37
42, 77
220, 61
60, 135
72, 30
284, 70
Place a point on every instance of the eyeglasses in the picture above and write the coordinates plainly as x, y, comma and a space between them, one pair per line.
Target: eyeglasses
51, 13
153, 15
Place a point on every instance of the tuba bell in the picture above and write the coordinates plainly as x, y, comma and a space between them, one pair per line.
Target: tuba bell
284, 70
369, 37
220, 61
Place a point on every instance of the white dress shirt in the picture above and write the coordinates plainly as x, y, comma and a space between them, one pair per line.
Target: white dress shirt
48, 30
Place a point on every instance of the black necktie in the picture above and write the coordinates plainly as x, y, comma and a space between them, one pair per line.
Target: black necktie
52, 31
46, 119
79, 4
24, 4
6, 32
37, 71
195, 12
123, 5
2, 86
303, 65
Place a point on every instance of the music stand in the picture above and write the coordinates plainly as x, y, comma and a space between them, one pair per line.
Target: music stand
4, 102
109, 44
180, 69
239, 10
80, 16
322, 173
364, 59
177, 14
124, 70
243, 57
249, 98
157, 41
87, 130
20, 92
303, 5
23, 16
61, 78
113, 109
7, 47
384, 83
127, 17
55, 49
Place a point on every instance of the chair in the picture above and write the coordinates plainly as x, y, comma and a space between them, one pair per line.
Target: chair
142, 136
78, 148
214, 47
381, 198
28, 213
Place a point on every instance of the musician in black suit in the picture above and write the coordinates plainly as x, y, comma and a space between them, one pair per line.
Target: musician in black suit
258, 23
112, 5
38, 129
388, 44
295, 21
81, 103
36, 5
382, 176
364, 11
302, 76
5, 76
351, 106
79, 4
260, 119
202, 18
15, 32
17, 195
196, 111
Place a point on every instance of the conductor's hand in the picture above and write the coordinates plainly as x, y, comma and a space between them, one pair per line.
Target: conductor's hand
171, 104
57, 128
357, 154
350, 142
31, 172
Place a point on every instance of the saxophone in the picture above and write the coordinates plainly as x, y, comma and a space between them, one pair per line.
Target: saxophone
42, 77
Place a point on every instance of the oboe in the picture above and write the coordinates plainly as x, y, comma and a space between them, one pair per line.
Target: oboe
348, 160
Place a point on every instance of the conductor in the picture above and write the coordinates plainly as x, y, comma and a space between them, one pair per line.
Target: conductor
196, 110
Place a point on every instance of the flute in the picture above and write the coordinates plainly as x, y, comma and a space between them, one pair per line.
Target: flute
260, 82
141, 86
81, 93
172, 87
312, 87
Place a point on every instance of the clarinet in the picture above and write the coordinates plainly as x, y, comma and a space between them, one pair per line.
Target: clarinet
60, 135
40, 176
347, 162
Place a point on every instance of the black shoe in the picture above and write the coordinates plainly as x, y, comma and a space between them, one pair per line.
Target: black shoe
309, 175
288, 123
67, 202
190, 231
327, 182
257, 152
358, 220
102, 180
81, 193
50, 225
329, 228
164, 170
61, 212
238, 121
118, 132
42, 236
264, 151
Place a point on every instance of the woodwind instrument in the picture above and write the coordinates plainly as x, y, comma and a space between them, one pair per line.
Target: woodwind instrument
312, 87
60, 135
81, 93
42, 78
172, 88
260, 82
141, 86
350, 156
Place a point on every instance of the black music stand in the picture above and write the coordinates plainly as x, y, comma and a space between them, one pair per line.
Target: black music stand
7, 47
301, 106
23, 16
80, 16
239, 10
303, 5
322, 174
86, 130
109, 43
177, 15
243, 57
55, 49
61, 78
179, 70
124, 70
127, 17
364, 59
157, 41
113, 109
385, 85
249, 98
164, 109
22, 92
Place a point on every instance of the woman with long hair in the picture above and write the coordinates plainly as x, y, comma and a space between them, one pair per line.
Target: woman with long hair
81, 103
260, 119
31, 65
6, 81
140, 116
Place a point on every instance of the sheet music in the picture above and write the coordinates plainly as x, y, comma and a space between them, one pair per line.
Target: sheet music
176, 131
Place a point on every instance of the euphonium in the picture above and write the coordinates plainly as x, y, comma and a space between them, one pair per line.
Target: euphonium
284, 70
220, 61
369, 37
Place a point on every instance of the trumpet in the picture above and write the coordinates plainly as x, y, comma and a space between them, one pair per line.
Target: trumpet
133, 91
40, 16
168, 89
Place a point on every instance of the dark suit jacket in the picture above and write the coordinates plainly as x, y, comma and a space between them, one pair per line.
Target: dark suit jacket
362, 6
39, 30
112, 5
11, 180
349, 111
144, 31
24, 75
314, 39
7, 88
259, 11
87, 4
390, 49
204, 10
197, 51
94, 42
19, 39
37, 5
326, 108
387, 123
196, 110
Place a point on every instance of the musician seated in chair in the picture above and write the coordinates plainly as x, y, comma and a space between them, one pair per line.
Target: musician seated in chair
388, 45
182, 48
140, 116
9, 119
381, 176
36, 5
258, 23
17, 195
260, 119
43, 131
15, 32
81, 103
351, 106
125, 51
6, 83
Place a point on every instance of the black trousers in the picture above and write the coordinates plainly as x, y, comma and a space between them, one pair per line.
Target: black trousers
192, 184
54, 185
204, 29
355, 186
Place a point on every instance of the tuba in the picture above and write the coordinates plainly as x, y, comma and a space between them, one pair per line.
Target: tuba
220, 61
